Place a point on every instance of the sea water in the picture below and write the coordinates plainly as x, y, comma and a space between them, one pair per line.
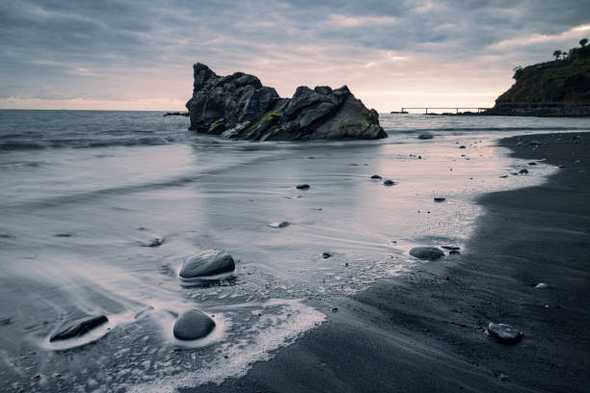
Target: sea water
82, 193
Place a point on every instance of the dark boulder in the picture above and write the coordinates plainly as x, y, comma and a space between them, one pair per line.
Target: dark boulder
504, 333
427, 253
206, 264
279, 225
192, 325
78, 327
239, 106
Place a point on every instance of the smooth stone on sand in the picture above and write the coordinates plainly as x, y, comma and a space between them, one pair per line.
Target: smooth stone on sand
303, 186
376, 177
504, 333
425, 136
207, 263
427, 253
389, 183
192, 325
155, 242
277, 225
78, 327
439, 199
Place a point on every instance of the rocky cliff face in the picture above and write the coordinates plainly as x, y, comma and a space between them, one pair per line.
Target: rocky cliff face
239, 106
555, 88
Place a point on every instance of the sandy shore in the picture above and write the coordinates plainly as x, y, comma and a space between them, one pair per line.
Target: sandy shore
424, 332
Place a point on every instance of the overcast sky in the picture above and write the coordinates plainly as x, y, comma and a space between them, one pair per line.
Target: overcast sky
118, 54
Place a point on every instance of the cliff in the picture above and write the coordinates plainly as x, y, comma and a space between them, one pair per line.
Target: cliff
239, 106
555, 88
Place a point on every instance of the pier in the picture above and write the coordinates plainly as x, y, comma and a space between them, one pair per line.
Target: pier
454, 109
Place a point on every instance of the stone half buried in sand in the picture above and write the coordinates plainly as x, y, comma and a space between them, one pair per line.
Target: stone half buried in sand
427, 253
78, 327
504, 333
193, 325
239, 106
207, 265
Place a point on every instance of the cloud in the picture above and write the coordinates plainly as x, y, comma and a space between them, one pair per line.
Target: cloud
359, 21
123, 51
567, 36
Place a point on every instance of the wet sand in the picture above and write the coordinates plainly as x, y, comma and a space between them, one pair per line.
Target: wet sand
424, 331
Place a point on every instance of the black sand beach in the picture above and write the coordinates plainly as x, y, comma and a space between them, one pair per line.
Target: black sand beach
424, 332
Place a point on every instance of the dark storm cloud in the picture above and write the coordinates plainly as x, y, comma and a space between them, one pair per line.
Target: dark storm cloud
101, 48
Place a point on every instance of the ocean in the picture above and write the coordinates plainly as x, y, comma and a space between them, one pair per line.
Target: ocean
82, 194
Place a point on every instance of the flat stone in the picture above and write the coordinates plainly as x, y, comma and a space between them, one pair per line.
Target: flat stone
78, 327
376, 177
192, 325
389, 183
277, 225
541, 285
207, 263
504, 333
439, 199
303, 186
425, 136
427, 253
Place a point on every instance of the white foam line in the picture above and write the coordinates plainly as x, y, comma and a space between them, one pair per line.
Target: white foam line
235, 359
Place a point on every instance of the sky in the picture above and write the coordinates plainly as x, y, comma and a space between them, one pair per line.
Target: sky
132, 55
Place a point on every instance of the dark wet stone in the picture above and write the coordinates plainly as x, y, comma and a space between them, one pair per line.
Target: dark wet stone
503, 176
192, 325
534, 143
457, 248
277, 225
78, 327
303, 186
504, 333
64, 234
523, 171
454, 252
425, 136
462, 147
439, 199
155, 242
427, 253
376, 177
326, 255
532, 163
207, 263
389, 183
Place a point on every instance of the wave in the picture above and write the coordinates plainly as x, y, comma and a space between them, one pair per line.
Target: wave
12, 145
472, 129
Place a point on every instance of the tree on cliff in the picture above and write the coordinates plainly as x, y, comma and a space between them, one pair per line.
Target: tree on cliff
583, 42
557, 54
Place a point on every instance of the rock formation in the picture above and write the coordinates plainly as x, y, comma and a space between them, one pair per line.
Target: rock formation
554, 88
239, 106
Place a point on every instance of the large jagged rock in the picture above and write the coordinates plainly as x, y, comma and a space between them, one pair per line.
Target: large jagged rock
239, 106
